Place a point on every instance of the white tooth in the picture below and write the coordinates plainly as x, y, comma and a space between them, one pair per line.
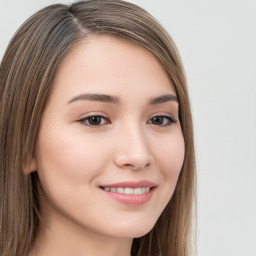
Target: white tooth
120, 190
128, 191
147, 190
107, 189
137, 191
113, 189
143, 190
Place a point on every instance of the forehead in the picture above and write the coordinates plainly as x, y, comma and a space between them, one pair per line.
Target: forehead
110, 63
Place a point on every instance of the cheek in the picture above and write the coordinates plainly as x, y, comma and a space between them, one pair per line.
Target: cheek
170, 157
70, 157
68, 165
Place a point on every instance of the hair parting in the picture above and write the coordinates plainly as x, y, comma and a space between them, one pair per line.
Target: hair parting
27, 73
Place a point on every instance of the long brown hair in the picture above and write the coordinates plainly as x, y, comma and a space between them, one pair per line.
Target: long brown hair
27, 72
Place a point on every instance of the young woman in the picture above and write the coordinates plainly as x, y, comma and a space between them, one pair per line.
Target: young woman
96, 139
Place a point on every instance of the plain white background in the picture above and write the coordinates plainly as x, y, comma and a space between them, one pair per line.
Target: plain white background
217, 42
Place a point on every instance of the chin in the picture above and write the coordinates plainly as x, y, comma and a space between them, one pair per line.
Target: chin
134, 230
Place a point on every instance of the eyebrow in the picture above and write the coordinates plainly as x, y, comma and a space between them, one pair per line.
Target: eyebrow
115, 100
96, 97
163, 99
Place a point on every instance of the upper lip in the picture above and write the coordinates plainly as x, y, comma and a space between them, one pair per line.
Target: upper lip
131, 184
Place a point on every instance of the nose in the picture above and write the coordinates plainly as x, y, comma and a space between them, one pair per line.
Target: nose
133, 150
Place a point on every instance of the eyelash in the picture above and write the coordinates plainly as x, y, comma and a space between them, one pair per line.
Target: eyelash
84, 121
170, 120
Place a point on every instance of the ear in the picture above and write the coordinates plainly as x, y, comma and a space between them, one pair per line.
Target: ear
30, 165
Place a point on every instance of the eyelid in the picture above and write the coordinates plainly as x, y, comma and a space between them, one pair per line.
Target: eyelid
94, 114
164, 114
171, 118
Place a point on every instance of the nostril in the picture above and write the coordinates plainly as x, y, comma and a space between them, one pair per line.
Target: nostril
132, 160
128, 165
136, 167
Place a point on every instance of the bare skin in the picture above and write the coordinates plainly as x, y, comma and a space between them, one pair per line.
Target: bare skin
86, 141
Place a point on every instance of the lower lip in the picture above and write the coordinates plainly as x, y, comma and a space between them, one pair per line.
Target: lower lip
131, 199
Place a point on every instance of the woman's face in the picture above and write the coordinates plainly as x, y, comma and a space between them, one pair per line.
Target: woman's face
110, 146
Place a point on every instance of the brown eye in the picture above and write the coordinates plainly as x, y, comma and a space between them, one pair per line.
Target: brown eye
162, 120
157, 120
94, 121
